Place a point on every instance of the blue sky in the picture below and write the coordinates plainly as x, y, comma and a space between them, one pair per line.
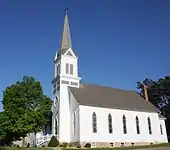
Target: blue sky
118, 42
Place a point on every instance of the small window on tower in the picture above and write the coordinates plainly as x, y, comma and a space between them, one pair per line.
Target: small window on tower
58, 88
74, 83
64, 82
54, 91
67, 68
58, 82
71, 68
58, 68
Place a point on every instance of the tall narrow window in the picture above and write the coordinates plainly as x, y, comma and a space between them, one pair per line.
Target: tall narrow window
161, 129
58, 69
124, 125
67, 68
56, 127
149, 126
74, 123
94, 122
110, 123
137, 125
71, 69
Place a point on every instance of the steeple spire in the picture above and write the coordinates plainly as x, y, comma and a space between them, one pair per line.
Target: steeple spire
66, 37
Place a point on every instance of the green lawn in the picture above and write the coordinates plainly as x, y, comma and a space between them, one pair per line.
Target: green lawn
117, 148
20, 148
128, 148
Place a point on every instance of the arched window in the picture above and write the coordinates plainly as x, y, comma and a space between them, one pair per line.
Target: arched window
58, 69
161, 129
137, 125
124, 125
74, 123
94, 122
56, 127
149, 126
110, 123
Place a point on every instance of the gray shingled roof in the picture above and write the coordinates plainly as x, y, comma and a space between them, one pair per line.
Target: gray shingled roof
107, 97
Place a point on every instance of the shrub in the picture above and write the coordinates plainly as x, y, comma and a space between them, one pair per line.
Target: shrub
78, 146
70, 145
88, 145
53, 142
64, 145
28, 145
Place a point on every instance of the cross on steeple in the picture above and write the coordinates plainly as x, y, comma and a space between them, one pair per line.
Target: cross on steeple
66, 10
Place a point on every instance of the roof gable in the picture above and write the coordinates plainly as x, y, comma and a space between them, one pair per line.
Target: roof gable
107, 97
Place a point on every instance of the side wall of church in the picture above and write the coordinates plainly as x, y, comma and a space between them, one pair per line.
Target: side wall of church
64, 115
164, 138
74, 119
103, 135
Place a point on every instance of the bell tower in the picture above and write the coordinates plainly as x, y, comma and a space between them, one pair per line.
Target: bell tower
66, 74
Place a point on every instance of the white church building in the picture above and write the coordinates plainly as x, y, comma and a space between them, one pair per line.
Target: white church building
100, 115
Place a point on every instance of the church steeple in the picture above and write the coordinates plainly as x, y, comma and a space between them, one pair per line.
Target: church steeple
66, 62
66, 37
66, 75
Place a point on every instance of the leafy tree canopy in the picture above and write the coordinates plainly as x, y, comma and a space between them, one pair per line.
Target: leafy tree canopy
2, 130
159, 95
26, 108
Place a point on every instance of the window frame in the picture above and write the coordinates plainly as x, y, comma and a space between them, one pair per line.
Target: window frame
110, 127
74, 122
161, 130
71, 69
67, 68
137, 125
124, 124
149, 125
94, 122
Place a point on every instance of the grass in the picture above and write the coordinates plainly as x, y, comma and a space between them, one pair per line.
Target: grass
129, 148
20, 148
116, 148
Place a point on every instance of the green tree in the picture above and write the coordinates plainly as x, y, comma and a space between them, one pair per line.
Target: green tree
2, 129
26, 107
6, 136
159, 95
